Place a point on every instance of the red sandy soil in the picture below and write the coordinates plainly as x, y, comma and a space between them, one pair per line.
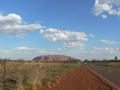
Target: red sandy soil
80, 79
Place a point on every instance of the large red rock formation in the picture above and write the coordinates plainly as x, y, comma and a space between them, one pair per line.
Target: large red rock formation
53, 58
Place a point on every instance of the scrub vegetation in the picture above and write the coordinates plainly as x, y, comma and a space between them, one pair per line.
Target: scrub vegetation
31, 75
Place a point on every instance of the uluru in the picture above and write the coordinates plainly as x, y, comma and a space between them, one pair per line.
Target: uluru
53, 58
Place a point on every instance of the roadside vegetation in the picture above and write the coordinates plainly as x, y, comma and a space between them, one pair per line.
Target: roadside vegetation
112, 64
106, 63
31, 75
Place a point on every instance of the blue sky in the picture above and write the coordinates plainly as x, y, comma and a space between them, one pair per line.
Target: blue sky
79, 28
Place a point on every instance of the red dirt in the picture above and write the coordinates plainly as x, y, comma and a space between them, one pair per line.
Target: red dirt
80, 79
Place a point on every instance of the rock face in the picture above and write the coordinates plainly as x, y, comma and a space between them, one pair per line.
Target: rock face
53, 58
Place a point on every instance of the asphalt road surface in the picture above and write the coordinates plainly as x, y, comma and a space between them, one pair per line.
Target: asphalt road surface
112, 74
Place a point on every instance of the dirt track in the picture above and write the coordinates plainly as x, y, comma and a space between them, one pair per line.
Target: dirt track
80, 79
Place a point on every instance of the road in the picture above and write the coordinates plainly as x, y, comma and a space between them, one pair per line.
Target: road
111, 74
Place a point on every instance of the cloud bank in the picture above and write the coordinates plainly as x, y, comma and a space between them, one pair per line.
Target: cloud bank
106, 7
22, 52
109, 42
13, 24
69, 38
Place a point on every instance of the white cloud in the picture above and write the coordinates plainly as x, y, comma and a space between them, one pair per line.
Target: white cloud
28, 53
24, 48
99, 53
107, 7
22, 52
73, 44
13, 24
108, 42
69, 38
104, 16
27, 49
106, 50
4, 53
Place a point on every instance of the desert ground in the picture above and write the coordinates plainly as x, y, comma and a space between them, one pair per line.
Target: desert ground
31, 75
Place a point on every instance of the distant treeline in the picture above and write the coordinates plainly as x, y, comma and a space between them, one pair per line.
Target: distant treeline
93, 61
22, 60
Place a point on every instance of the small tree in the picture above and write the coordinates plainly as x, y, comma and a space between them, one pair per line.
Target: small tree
86, 60
116, 58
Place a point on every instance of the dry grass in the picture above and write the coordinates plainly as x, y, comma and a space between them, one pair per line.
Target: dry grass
32, 75
113, 64
109, 63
